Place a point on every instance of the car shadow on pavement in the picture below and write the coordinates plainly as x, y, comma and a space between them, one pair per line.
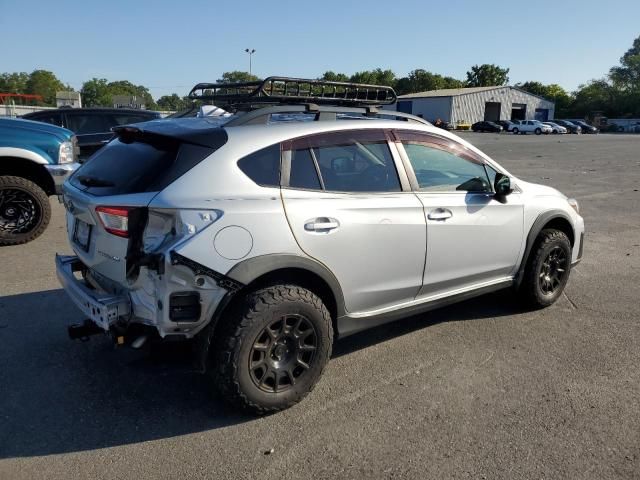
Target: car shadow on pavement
492, 305
61, 396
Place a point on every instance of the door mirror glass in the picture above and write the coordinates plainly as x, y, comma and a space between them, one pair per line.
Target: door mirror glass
502, 184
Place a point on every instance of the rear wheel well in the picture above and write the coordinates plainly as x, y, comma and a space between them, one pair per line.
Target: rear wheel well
296, 276
20, 167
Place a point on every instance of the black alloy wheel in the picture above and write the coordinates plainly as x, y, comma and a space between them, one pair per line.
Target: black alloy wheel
553, 270
282, 353
19, 211
25, 211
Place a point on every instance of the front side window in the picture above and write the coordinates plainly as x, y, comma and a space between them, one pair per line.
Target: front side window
347, 161
442, 166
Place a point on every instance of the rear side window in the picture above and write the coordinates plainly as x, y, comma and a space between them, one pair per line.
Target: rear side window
347, 161
83, 124
138, 166
263, 166
53, 119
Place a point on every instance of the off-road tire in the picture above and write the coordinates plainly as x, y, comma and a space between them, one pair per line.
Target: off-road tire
234, 342
531, 291
40, 204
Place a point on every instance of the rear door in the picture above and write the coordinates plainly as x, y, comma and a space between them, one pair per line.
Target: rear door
349, 209
472, 236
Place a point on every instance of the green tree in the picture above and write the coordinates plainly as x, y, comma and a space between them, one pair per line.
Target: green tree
375, 77
487, 75
174, 102
334, 77
125, 87
45, 83
14, 82
553, 92
420, 80
597, 95
95, 93
237, 76
627, 75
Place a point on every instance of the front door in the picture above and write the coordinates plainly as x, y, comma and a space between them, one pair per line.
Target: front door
473, 238
347, 209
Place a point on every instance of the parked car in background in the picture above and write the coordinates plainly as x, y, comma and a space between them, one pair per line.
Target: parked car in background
443, 125
92, 126
485, 126
570, 126
531, 126
35, 159
507, 125
586, 128
555, 128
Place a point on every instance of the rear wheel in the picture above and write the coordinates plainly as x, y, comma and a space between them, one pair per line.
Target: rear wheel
547, 269
273, 349
24, 210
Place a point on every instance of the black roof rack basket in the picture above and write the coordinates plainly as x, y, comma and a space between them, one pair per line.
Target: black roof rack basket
286, 90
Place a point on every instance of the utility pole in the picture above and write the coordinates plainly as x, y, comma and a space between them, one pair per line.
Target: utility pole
250, 51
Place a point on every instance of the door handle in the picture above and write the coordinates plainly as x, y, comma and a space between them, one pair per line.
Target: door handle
440, 214
321, 224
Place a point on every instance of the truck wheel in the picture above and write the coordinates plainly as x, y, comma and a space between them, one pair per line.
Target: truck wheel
538, 131
547, 269
515, 130
272, 349
24, 210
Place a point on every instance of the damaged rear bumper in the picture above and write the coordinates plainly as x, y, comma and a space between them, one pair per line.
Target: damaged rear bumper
100, 307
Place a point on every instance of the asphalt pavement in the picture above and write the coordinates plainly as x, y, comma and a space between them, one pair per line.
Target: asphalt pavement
482, 389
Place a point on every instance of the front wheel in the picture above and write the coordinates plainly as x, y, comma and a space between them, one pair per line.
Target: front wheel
515, 130
273, 348
25, 211
547, 269
538, 131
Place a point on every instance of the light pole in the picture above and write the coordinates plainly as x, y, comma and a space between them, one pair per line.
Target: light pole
250, 51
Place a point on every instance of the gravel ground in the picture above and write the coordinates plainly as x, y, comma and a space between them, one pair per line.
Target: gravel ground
478, 390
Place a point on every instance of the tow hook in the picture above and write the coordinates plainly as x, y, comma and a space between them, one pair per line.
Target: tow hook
82, 331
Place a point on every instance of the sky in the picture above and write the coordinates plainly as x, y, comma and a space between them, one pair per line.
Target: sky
168, 46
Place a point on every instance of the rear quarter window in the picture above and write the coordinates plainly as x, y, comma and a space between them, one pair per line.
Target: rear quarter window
263, 166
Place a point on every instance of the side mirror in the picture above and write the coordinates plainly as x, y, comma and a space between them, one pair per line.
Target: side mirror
502, 184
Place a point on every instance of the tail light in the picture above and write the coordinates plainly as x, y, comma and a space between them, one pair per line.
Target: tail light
115, 220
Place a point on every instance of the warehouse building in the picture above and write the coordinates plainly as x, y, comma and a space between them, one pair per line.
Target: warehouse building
470, 105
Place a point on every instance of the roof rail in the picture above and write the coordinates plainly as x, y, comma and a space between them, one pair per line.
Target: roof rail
264, 115
287, 90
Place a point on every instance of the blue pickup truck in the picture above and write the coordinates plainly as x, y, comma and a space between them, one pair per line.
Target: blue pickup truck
35, 160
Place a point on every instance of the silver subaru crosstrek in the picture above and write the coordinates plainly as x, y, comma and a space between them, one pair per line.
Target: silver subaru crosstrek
306, 215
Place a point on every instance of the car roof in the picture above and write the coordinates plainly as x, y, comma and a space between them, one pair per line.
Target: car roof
132, 111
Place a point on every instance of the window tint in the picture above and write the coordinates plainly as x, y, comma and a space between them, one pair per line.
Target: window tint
303, 170
139, 166
491, 173
439, 170
53, 119
127, 118
263, 166
87, 123
348, 161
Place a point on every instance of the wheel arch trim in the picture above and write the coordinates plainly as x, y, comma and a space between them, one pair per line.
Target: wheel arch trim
538, 225
251, 269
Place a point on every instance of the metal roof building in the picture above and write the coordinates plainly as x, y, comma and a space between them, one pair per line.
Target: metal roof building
475, 104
